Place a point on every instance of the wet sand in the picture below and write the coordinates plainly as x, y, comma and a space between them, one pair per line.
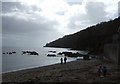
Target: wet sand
75, 71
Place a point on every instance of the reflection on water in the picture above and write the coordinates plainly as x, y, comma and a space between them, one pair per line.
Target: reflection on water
18, 61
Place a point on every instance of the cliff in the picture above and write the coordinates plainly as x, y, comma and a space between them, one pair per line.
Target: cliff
92, 38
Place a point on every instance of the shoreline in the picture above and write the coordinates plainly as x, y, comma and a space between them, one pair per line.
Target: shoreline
26, 68
74, 71
33, 67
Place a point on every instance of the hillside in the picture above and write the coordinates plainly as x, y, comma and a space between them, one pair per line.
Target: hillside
92, 38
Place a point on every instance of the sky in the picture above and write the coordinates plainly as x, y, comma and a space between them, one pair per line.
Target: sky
33, 23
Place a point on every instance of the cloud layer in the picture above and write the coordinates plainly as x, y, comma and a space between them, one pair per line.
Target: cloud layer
39, 21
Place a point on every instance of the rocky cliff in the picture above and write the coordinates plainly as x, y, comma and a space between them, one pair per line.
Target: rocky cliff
92, 38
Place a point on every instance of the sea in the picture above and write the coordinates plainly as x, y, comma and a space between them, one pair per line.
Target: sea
18, 61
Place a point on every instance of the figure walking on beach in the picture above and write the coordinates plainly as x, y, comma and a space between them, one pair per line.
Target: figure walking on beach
104, 70
65, 59
61, 60
100, 71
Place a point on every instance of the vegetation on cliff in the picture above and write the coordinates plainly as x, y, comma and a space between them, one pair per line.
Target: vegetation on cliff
92, 38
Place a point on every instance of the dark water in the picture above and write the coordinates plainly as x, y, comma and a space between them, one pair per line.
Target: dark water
17, 61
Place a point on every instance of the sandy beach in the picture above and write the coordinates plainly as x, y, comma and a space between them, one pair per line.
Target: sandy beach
75, 71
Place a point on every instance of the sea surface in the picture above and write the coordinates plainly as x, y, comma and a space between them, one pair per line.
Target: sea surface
18, 61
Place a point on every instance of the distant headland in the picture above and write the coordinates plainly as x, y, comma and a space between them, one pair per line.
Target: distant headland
92, 39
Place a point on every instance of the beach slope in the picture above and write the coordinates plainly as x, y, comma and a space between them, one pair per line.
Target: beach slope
75, 71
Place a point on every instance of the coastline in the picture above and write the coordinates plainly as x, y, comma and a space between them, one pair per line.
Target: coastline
22, 69
74, 71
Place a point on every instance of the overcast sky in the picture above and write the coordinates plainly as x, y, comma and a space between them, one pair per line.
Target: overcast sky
37, 22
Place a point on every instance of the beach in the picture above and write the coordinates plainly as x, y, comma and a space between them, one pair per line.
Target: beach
75, 71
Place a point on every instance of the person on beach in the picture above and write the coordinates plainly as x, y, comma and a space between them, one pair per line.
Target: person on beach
104, 70
100, 71
61, 60
65, 59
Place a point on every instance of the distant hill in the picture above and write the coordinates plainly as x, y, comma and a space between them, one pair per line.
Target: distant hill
92, 38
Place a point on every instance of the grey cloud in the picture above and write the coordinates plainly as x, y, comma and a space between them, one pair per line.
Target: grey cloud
96, 11
9, 0
18, 32
34, 40
19, 26
9, 6
74, 2
60, 13
34, 8
81, 19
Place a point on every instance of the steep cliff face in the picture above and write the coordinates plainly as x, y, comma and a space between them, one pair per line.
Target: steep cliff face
112, 51
92, 38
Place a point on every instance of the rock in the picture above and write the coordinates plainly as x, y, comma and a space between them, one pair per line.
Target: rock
51, 55
30, 52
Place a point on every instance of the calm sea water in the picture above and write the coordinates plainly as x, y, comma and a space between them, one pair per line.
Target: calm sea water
18, 61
